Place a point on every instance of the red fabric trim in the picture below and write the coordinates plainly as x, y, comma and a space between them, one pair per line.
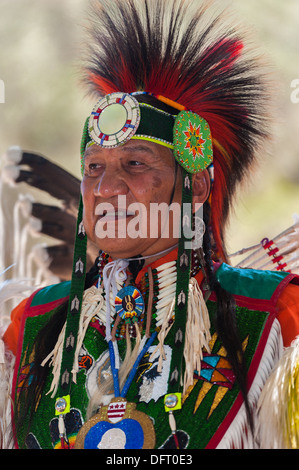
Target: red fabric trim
253, 304
282, 285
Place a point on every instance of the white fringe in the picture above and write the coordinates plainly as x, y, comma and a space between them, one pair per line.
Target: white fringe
9, 289
238, 435
279, 402
165, 328
7, 361
197, 334
92, 303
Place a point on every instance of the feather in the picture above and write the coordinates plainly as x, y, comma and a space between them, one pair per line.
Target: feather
7, 361
41, 173
50, 261
278, 404
10, 289
280, 253
238, 435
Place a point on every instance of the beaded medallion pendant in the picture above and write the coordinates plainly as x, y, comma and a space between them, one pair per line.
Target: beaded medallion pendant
129, 304
117, 425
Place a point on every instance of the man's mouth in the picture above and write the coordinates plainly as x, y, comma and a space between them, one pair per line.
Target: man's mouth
115, 215
112, 222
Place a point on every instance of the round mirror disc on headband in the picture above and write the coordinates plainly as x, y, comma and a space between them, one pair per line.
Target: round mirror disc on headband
114, 120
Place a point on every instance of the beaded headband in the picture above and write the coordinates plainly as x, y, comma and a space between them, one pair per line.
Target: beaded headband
118, 117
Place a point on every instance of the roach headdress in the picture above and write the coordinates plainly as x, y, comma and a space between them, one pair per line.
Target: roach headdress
191, 55
180, 75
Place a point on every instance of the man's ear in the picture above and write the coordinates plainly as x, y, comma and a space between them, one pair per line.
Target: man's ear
201, 186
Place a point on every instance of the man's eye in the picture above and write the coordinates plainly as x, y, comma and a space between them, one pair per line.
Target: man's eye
92, 168
135, 163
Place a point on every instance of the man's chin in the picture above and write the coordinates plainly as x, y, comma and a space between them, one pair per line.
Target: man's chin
119, 248
124, 249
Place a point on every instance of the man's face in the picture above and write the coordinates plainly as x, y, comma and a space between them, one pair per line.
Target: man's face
140, 175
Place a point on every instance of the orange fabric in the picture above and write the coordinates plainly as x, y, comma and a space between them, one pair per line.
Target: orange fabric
288, 316
11, 334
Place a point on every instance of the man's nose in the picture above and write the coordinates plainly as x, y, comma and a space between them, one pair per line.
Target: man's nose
110, 183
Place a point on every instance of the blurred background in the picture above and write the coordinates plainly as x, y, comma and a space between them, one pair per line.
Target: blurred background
45, 105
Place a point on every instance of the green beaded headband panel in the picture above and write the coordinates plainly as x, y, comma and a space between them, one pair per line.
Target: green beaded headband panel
192, 142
